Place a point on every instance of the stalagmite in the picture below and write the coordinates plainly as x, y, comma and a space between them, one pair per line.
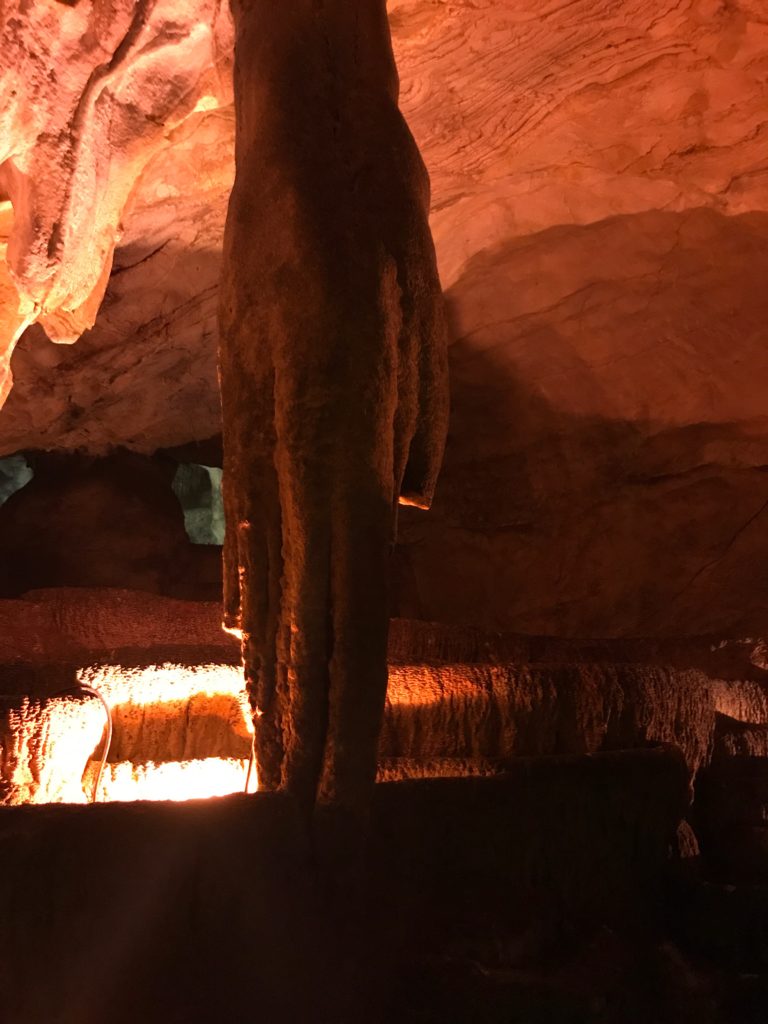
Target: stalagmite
333, 380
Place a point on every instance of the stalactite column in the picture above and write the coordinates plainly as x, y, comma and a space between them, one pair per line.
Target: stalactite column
333, 379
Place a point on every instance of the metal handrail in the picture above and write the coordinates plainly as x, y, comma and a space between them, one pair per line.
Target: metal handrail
251, 760
84, 688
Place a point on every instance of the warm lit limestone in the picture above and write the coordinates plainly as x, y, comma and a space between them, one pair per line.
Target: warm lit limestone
333, 380
88, 94
194, 779
15, 313
44, 745
459, 700
600, 192
178, 732
174, 712
483, 712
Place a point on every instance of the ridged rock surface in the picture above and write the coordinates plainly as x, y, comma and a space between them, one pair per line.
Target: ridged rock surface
739, 739
600, 198
44, 745
473, 711
459, 702
90, 93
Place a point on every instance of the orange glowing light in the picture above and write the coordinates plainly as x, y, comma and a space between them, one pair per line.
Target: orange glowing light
180, 695
158, 684
194, 779
179, 732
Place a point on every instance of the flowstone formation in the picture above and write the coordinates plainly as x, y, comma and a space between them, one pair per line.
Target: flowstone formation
333, 380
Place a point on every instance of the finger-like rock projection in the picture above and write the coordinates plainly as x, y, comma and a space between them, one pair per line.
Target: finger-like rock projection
333, 378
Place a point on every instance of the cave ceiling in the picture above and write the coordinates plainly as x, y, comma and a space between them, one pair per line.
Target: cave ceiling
600, 210
573, 148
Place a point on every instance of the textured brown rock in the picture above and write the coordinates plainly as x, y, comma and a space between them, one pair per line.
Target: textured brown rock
600, 179
743, 700
15, 313
439, 721
600, 406
333, 380
80, 625
173, 712
606, 365
157, 323
740, 739
685, 845
178, 730
501, 711
460, 702
56, 624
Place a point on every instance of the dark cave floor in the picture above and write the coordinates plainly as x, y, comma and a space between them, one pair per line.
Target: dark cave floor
572, 881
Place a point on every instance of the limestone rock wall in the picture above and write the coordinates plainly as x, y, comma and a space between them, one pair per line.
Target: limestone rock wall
459, 703
90, 93
501, 711
44, 745
600, 187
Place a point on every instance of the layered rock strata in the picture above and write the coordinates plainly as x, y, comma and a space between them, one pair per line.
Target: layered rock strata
599, 177
458, 702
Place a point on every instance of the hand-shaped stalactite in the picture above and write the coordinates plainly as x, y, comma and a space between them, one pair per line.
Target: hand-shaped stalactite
333, 380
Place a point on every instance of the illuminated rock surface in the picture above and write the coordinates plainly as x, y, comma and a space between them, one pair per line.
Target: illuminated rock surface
90, 92
458, 702
600, 183
43, 747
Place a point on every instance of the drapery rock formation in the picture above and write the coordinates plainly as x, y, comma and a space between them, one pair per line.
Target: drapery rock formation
90, 92
333, 381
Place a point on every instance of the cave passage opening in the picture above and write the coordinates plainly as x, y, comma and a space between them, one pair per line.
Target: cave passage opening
15, 473
198, 489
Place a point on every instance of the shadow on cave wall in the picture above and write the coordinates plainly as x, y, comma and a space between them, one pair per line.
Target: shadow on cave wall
606, 465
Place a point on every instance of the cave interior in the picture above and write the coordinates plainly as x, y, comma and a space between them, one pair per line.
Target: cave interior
383, 512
